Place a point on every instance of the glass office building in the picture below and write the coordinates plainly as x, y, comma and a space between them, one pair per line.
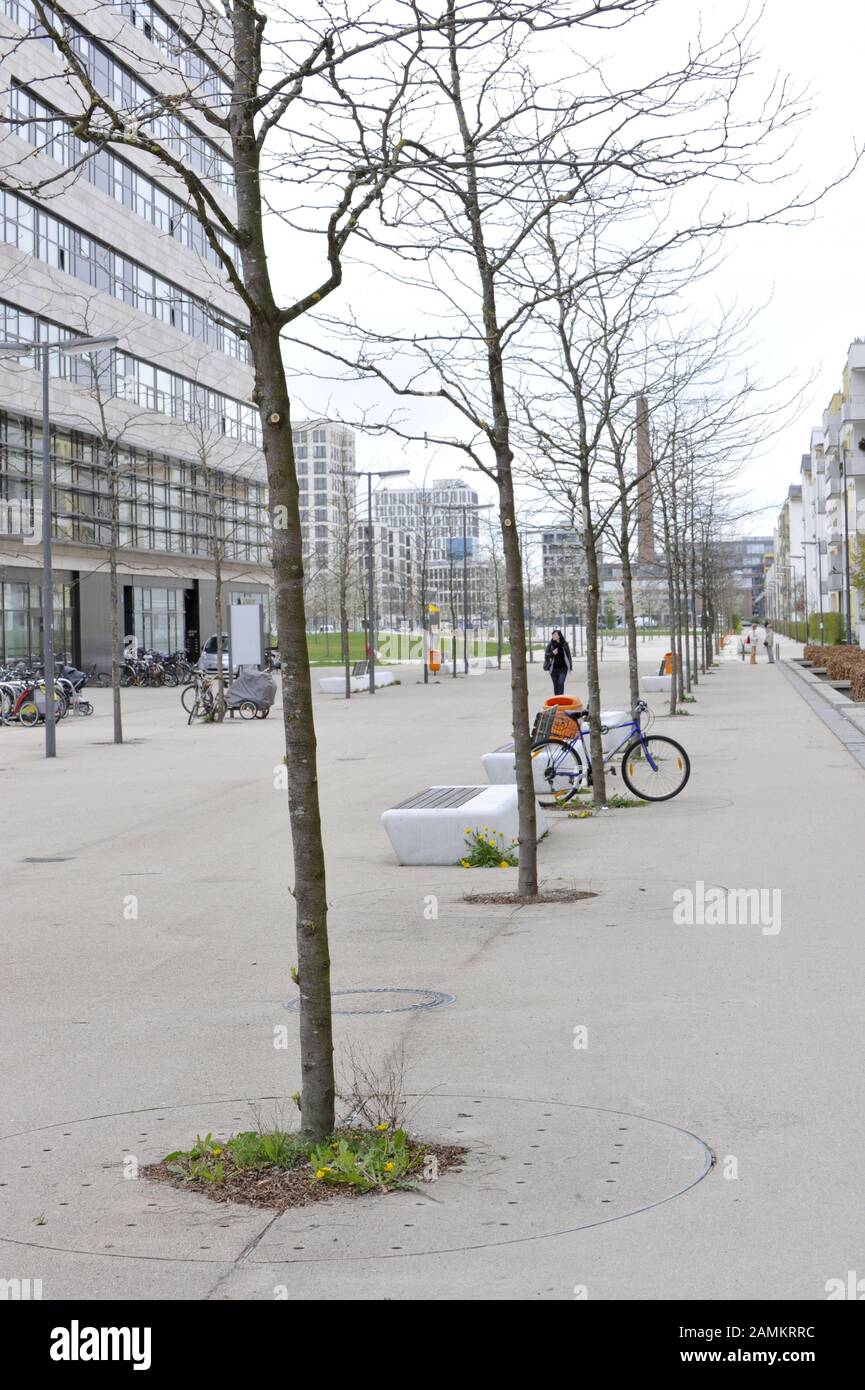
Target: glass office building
103, 242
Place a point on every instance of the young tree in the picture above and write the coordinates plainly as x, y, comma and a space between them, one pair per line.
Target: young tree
303, 123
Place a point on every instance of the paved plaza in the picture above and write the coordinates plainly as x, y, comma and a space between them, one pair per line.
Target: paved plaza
652, 1109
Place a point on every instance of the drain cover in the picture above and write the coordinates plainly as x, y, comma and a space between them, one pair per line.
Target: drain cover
384, 1001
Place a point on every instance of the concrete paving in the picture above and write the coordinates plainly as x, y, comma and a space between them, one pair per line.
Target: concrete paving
596, 1058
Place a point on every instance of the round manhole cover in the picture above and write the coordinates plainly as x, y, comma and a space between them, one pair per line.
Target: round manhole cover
383, 1001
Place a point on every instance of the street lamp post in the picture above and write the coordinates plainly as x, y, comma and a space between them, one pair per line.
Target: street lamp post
369, 474
465, 507
43, 351
819, 583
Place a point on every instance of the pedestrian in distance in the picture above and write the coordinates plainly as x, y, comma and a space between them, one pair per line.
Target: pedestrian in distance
751, 643
769, 643
557, 660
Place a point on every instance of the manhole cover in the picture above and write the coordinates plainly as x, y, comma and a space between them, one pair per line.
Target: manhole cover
384, 1001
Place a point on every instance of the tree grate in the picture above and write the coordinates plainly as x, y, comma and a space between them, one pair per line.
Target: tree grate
400, 1001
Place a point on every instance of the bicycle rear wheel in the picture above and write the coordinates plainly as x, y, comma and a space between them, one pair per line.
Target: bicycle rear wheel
655, 769
558, 771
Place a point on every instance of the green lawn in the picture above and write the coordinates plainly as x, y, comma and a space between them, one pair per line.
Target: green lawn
324, 647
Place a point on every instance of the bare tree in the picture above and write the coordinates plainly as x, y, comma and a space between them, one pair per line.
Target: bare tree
281, 79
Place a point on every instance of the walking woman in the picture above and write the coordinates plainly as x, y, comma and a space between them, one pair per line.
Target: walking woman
557, 660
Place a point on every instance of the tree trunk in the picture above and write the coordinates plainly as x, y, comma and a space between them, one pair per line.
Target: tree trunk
628, 592
310, 886
526, 806
343, 635
593, 673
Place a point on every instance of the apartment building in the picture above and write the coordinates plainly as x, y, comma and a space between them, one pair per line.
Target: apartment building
827, 526
104, 243
324, 453
436, 514
785, 574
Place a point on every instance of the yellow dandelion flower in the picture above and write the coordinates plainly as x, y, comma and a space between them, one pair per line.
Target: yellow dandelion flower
504, 864
383, 1126
465, 863
388, 1167
320, 1172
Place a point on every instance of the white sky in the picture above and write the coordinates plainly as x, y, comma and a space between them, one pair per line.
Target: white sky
811, 278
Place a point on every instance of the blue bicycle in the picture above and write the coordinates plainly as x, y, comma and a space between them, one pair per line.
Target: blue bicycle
654, 768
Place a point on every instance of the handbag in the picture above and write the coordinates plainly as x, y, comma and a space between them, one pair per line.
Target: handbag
548, 661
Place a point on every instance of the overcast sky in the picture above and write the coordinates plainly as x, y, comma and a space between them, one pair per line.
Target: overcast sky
810, 278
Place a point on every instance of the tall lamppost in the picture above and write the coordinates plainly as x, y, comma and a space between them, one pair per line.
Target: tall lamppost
465, 508
42, 351
369, 474
819, 583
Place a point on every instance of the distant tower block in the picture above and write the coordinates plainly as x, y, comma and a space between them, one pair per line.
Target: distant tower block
645, 525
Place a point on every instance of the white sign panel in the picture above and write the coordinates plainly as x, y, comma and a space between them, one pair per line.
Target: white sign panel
244, 634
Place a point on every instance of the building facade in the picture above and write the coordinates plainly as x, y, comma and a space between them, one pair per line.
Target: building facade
826, 523
104, 244
436, 515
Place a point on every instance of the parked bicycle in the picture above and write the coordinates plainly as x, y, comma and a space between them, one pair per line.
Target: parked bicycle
201, 699
654, 767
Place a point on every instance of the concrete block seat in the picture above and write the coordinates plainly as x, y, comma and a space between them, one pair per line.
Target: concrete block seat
650, 683
430, 827
500, 768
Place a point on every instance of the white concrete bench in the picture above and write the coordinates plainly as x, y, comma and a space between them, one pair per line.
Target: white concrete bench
500, 768
649, 683
430, 827
335, 685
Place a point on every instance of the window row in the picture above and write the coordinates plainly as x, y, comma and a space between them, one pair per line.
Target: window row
119, 374
21, 623
39, 124
164, 504
170, 40
63, 246
131, 96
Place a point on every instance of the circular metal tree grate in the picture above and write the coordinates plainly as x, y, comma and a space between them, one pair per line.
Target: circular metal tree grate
385, 1001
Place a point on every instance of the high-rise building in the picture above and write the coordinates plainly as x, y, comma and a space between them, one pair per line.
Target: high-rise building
324, 452
102, 242
435, 513
564, 565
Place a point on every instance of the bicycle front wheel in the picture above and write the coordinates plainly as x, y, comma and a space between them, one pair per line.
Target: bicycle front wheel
655, 769
189, 697
558, 771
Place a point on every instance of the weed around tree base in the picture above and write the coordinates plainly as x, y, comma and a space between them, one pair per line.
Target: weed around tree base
555, 895
281, 1170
